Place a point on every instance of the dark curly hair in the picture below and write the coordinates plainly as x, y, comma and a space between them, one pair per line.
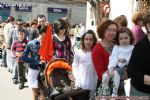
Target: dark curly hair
103, 26
83, 37
124, 30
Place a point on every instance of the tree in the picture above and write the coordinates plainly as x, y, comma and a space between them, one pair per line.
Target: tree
101, 9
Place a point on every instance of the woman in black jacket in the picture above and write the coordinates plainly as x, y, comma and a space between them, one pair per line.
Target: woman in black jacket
139, 64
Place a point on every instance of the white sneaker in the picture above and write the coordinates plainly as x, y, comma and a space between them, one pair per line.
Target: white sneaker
114, 94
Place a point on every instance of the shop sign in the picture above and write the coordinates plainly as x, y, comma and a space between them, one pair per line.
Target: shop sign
57, 10
23, 8
4, 6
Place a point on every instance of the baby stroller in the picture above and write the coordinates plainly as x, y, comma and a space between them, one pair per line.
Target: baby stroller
58, 83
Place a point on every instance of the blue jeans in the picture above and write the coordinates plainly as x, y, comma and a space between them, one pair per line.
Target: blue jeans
15, 72
4, 56
21, 72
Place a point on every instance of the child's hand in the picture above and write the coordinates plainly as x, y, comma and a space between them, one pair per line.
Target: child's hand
18, 54
123, 60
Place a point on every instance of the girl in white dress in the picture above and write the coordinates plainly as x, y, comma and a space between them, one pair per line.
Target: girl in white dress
118, 60
83, 69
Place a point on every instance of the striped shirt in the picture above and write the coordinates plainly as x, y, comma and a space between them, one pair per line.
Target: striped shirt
18, 47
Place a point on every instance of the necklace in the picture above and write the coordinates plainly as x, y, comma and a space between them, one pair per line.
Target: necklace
109, 50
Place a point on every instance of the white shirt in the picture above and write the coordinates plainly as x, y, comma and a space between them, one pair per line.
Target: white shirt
7, 30
120, 52
83, 70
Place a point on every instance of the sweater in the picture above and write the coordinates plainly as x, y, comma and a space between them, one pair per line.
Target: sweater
120, 52
100, 58
139, 65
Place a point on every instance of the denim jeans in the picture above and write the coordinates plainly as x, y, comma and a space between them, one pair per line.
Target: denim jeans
15, 72
21, 71
4, 56
9, 59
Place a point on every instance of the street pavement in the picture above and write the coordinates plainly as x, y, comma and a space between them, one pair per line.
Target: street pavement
9, 91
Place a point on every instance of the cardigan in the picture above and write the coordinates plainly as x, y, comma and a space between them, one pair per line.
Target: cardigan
100, 58
139, 65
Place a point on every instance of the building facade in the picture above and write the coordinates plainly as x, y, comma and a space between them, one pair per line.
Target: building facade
29, 9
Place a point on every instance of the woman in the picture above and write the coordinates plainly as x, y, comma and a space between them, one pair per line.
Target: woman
139, 65
138, 33
61, 41
121, 21
100, 54
34, 32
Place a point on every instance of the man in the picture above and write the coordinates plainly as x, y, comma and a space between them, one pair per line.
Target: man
7, 30
41, 20
13, 37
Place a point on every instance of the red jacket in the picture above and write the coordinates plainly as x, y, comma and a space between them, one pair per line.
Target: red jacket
100, 59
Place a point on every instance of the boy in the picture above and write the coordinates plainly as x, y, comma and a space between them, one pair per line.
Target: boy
17, 49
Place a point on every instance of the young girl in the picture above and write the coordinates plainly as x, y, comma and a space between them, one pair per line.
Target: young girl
118, 60
83, 69
61, 41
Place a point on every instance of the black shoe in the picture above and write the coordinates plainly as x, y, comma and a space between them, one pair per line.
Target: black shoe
21, 86
11, 71
15, 81
25, 80
8, 70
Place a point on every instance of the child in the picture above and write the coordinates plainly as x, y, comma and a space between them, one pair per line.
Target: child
83, 69
17, 49
118, 60
31, 56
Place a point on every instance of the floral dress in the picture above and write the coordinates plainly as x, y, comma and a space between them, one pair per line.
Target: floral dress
62, 49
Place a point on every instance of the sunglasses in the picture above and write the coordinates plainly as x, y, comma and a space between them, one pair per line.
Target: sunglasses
63, 27
34, 24
19, 24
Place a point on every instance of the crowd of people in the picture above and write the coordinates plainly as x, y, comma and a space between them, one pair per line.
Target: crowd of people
120, 52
